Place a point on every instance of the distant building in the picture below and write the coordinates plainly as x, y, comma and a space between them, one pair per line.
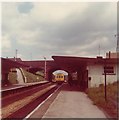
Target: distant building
111, 55
96, 75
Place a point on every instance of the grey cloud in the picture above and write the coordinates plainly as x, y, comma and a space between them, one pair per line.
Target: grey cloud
75, 34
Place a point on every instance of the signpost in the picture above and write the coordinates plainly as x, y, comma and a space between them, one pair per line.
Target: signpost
105, 82
105, 73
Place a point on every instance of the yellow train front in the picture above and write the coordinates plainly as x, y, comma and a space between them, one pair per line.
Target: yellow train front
59, 78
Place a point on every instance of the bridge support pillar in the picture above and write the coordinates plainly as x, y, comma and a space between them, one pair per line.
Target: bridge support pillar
82, 79
5, 80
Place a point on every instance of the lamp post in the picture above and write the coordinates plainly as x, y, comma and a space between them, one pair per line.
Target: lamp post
45, 67
105, 71
117, 49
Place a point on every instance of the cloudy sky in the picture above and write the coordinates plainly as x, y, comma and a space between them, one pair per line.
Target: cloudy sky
40, 29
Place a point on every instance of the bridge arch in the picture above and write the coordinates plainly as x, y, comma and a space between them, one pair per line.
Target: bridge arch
51, 70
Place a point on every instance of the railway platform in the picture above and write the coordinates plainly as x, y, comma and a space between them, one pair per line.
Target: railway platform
70, 103
16, 86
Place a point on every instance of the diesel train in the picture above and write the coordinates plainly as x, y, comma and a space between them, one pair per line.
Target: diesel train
59, 78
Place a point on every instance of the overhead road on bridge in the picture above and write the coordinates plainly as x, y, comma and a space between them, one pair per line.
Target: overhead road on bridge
81, 61
6, 65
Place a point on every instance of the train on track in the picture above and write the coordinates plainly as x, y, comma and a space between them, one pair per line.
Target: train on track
59, 78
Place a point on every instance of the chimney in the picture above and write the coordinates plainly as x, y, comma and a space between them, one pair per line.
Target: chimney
14, 59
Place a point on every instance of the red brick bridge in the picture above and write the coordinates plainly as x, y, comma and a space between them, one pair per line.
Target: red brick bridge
66, 63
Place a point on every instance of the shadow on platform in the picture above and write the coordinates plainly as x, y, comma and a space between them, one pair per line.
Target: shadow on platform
67, 87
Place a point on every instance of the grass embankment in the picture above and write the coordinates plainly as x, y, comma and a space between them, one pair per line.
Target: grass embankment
98, 97
32, 77
29, 76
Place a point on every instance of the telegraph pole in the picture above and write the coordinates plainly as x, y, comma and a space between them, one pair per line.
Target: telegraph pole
117, 46
16, 51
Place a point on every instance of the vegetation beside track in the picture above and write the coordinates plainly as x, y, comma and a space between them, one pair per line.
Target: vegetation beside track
29, 76
98, 97
32, 77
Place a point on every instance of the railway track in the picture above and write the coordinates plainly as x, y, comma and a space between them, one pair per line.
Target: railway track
22, 88
13, 95
21, 103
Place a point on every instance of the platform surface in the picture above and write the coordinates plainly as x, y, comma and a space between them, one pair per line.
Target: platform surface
15, 86
73, 104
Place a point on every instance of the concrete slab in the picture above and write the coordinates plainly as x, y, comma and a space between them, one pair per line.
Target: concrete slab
73, 104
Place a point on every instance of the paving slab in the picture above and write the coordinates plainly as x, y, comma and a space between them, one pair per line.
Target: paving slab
73, 104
